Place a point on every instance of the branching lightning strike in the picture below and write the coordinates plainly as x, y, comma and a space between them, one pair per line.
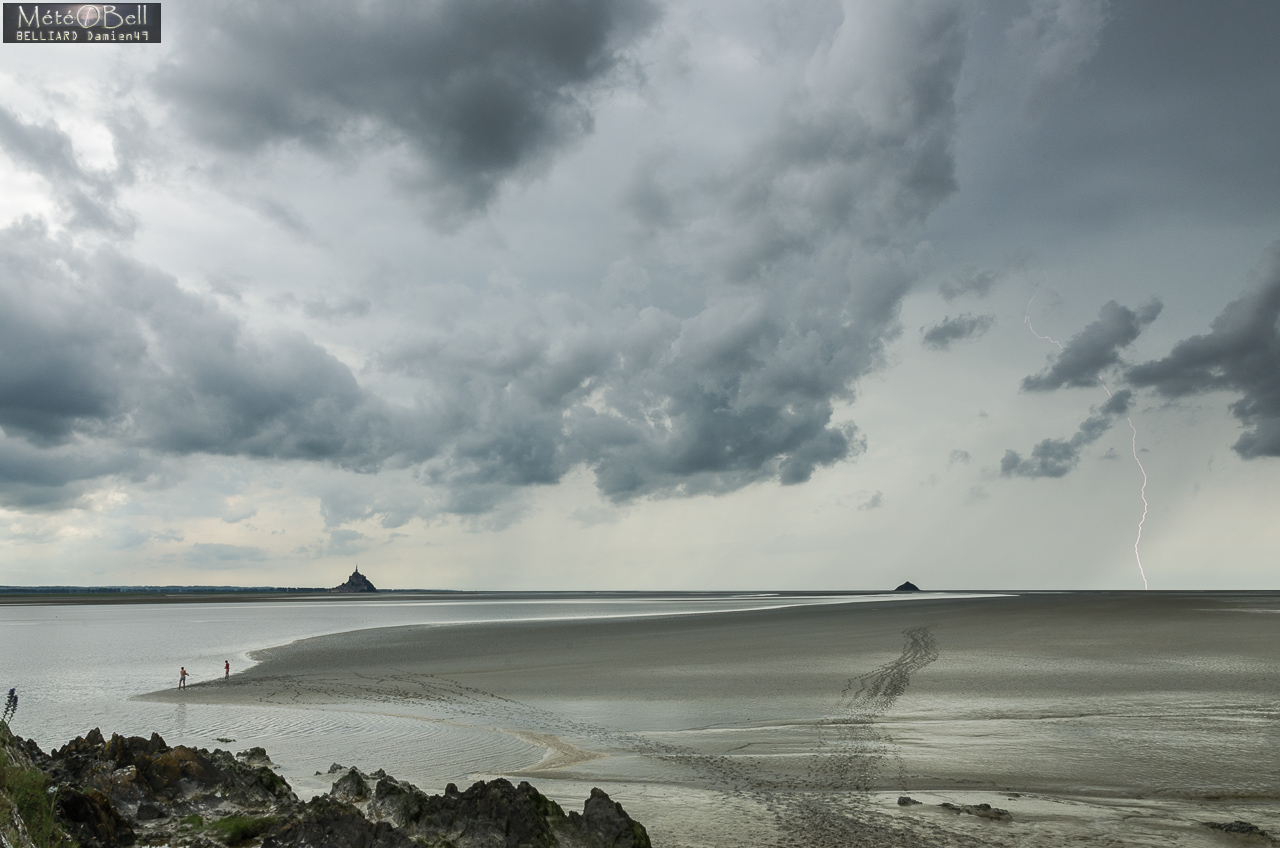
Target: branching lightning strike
1026, 319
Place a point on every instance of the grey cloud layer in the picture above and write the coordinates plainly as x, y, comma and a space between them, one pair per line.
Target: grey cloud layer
804, 284
105, 362
101, 354
800, 268
950, 330
479, 90
796, 271
1241, 353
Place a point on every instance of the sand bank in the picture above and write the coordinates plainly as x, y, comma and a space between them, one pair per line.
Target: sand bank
1084, 714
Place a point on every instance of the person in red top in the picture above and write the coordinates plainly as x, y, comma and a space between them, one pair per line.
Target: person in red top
227, 666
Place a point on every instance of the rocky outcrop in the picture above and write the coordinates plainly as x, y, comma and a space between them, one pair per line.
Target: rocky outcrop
907, 587
606, 824
147, 779
352, 786
334, 823
498, 814
90, 818
1241, 828
982, 811
125, 791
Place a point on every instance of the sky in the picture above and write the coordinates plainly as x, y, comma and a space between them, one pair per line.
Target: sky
645, 295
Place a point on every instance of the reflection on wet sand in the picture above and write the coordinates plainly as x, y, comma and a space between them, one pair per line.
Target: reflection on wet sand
1100, 716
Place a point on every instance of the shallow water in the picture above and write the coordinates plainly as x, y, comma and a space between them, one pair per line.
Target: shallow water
77, 666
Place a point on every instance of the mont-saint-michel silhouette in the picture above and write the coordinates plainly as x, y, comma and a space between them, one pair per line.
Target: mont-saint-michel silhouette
356, 583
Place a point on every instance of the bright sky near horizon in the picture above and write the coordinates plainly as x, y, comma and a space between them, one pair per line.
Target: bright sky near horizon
633, 294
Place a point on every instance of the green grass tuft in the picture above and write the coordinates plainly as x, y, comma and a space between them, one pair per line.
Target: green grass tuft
233, 830
27, 791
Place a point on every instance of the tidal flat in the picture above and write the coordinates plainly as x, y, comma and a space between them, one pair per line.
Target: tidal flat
1097, 718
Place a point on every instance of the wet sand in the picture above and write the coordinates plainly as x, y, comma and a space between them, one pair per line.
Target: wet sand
1094, 718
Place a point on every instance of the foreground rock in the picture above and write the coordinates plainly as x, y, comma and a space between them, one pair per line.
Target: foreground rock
127, 791
1242, 828
497, 813
982, 811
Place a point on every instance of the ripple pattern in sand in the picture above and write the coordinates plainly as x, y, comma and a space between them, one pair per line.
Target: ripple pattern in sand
823, 809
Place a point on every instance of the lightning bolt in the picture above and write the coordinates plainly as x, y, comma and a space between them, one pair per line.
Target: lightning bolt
1137, 555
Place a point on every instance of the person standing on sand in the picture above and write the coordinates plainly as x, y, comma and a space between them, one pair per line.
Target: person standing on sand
227, 666
182, 678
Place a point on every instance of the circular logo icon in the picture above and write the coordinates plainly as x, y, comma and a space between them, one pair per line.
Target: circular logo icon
89, 16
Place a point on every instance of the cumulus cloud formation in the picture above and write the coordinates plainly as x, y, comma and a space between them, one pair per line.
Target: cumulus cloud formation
1057, 457
1094, 349
110, 361
796, 258
960, 328
801, 298
89, 198
864, 151
1240, 353
37, 478
477, 90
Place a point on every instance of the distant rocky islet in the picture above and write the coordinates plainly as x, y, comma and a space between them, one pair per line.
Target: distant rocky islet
357, 583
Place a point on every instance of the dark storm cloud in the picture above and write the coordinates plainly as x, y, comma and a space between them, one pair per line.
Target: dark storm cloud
42, 478
477, 89
63, 360
106, 357
1057, 457
802, 290
1094, 349
852, 156
217, 388
1149, 110
1119, 403
1054, 457
1240, 353
941, 335
87, 197
797, 267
